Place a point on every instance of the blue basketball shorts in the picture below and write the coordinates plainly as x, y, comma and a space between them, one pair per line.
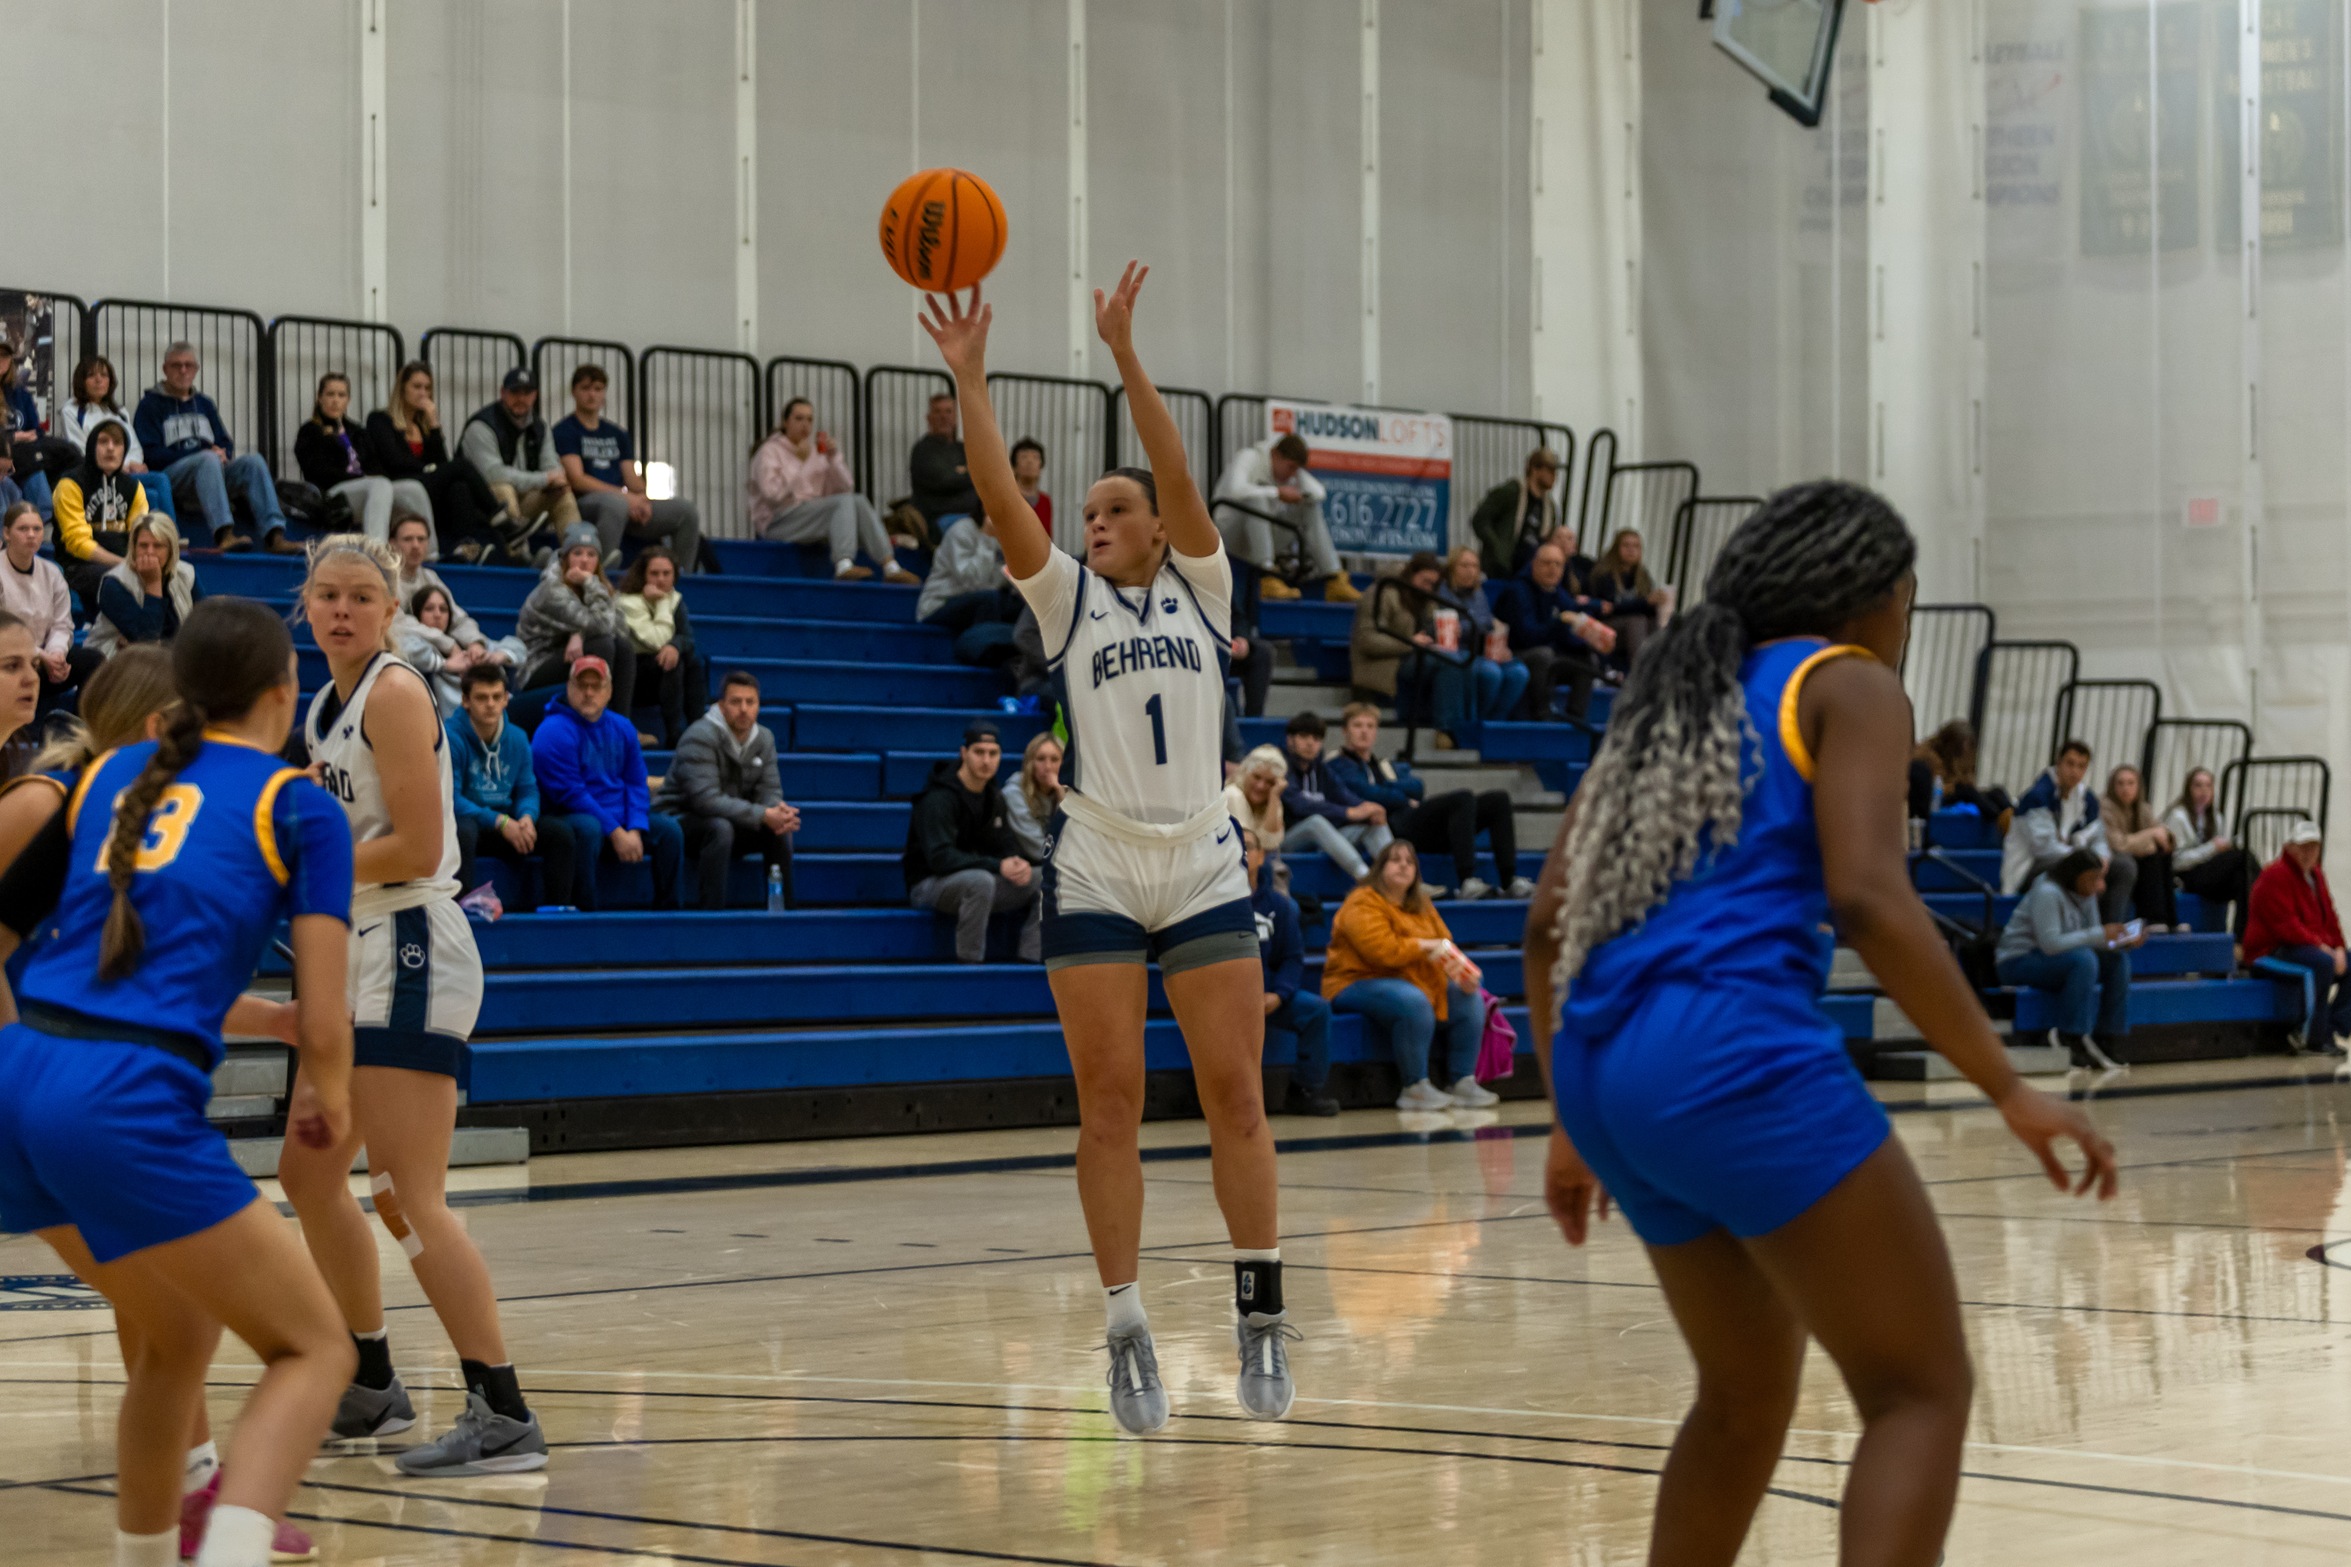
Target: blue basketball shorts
1725, 1108
110, 1137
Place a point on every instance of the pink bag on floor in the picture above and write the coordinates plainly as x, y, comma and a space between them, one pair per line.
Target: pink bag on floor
1498, 1048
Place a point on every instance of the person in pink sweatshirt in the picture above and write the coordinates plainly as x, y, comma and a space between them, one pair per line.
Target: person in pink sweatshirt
34, 591
800, 492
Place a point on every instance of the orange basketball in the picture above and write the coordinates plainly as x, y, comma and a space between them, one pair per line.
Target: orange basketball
943, 229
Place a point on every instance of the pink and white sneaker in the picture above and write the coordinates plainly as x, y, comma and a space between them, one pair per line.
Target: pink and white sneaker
289, 1544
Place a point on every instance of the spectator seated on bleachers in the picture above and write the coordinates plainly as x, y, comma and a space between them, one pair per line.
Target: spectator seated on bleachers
1288, 1003
962, 857
724, 790
2131, 829
496, 797
33, 590
968, 594
939, 477
592, 773
406, 445
412, 541
1637, 606
1498, 676
507, 445
1446, 824
1029, 805
1271, 477
1392, 961
36, 456
1942, 777
2206, 862
1555, 629
661, 640
572, 613
1028, 473
1322, 812
420, 635
600, 464
2055, 941
1516, 515
2293, 921
335, 455
96, 505
1254, 796
146, 596
96, 397
2056, 816
1396, 654
799, 491
181, 431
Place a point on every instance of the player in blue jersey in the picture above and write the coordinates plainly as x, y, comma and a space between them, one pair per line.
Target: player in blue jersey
162, 880
1751, 790
1145, 861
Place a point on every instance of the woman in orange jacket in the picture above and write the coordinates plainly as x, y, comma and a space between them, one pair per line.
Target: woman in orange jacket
1393, 962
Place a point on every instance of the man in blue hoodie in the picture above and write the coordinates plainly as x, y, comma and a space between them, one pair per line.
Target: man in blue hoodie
497, 792
592, 774
181, 432
1289, 1002
1555, 629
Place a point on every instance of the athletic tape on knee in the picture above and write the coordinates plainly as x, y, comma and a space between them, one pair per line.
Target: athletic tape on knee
388, 1209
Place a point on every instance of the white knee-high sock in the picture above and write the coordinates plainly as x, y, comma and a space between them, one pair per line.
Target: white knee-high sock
236, 1537
1122, 1304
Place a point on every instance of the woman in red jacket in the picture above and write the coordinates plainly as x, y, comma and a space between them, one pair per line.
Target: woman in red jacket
2292, 919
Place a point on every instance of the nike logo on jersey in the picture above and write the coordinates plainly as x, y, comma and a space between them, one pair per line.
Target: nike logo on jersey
1227, 833
1121, 658
372, 929
1099, 614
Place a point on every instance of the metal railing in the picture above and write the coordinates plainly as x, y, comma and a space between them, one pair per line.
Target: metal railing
2114, 719
232, 355
2263, 830
2015, 698
1939, 661
467, 367
1195, 418
303, 348
1240, 421
2271, 785
553, 359
1488, 451
834, 395
1644, 496
897, 399
1700, 529
1071, 418
2176, 747
1599, 459
702, 417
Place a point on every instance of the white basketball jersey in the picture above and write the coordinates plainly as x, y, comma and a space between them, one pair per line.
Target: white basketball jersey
1140, 674
347, 768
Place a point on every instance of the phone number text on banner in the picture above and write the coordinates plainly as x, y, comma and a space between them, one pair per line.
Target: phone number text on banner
1387, 477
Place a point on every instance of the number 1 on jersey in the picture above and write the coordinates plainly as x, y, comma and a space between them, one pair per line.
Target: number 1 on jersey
1158, 729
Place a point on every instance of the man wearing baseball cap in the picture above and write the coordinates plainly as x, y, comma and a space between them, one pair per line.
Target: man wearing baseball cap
592, 776
962, 857
507, 443
2291, 920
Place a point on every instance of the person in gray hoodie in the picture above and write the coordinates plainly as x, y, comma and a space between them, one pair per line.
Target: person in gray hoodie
2056, 942
573, 612
968, 594
724, 789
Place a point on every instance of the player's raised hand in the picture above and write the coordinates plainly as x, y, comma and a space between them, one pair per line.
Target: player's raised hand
2039, 1121
1114, 313
960, 331
1569, 1187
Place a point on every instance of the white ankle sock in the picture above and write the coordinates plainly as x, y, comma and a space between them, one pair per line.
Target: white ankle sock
842, 568
203, 1464
147, 1550
236, 1537
1123, 1305
1244, 1254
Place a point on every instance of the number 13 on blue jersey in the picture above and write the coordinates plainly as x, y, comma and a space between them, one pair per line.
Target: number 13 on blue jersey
167, 828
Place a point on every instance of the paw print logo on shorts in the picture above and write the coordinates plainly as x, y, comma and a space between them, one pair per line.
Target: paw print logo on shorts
412, 954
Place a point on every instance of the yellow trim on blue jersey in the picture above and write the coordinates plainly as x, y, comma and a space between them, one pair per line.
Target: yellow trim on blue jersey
73, 806
1792, 733
223, 737
265, 829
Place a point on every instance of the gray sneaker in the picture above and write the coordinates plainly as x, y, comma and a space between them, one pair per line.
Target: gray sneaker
481, 1443
1472, 890
367, 1412
1265, 1389
1138, 1399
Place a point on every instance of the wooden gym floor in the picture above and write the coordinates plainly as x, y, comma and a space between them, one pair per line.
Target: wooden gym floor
883, 1352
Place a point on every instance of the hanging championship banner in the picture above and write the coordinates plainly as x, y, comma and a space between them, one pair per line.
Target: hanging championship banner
2139, 133
1387, 477
2302, 127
